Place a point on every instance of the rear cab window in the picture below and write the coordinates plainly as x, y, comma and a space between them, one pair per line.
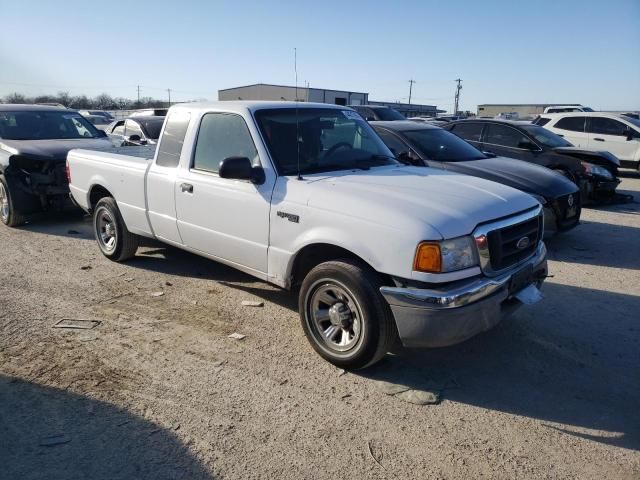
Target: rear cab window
172, 139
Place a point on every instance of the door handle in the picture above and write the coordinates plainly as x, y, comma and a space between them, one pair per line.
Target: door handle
599, 139
186, 188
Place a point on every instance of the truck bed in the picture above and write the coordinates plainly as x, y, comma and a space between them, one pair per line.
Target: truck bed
122, 171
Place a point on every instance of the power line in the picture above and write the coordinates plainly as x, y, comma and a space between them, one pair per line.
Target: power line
169, 93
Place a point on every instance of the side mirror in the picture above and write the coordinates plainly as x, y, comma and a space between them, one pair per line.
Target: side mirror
526, 145
409, 159
240, 168
629, 134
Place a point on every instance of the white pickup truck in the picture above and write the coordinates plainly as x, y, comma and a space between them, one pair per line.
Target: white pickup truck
307, 196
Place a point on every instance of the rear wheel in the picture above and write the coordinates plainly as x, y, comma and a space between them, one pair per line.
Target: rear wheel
344, 316
8, 213
115, 241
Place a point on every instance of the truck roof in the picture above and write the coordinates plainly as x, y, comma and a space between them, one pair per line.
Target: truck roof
252, 105
22, 107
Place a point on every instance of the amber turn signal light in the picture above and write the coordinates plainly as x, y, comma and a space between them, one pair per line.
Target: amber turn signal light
428, 258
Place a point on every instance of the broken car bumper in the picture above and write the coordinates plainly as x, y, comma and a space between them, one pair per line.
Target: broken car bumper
445, 316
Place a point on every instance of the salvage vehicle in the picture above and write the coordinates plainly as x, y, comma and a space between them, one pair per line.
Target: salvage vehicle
150, 112
135, 131
427, 145
34, 141
308, 197
98, 113
595, 173
616, 133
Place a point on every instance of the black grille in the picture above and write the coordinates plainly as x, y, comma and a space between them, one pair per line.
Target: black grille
503, 243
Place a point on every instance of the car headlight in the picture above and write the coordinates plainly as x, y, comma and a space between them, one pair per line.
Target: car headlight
592, 169
446, 256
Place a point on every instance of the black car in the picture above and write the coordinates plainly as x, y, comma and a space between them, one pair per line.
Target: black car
135, 131
596, 173
427, 145
34, 142
378, 112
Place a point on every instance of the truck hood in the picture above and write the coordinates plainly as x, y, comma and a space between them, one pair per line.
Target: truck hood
525, 176
450, 204
51, 149
602, 158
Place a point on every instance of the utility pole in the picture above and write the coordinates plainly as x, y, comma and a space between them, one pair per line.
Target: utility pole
169, 93
411, 82
138, 95
457, 98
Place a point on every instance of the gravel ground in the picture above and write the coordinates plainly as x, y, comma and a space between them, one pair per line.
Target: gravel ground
158, 390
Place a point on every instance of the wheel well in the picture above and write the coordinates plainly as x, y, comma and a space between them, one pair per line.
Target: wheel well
313, 255
97, 192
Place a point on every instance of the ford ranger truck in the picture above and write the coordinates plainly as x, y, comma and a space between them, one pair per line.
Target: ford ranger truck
308, 197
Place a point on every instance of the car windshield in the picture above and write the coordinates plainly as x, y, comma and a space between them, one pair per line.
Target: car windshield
587, 109
321, 140
545, 137
34, 125
389, 114
152, 127
443, 146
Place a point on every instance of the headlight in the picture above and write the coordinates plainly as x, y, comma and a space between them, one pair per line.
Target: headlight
592, 169
446, 256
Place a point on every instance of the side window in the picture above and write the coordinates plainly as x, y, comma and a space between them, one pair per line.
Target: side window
505, 136
542, 121
118, 129
132, 128
393, 142
573, 124
468, 131
222, 135
607, 126
172, 139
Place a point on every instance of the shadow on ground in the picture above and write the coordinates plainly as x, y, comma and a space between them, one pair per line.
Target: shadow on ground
597, 243
573, 359
71, 224
46, 433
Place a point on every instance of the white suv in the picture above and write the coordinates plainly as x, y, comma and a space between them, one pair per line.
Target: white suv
599, 131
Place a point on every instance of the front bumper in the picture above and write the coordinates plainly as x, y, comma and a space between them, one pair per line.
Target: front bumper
445, 316
597, 188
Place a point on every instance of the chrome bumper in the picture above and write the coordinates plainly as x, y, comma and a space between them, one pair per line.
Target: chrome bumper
442, 317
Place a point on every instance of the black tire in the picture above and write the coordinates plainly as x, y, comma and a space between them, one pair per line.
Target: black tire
8, 213
361, 312
114, 240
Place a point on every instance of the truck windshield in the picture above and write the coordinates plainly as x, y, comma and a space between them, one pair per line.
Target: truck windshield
546, 137
321, 140
443, 146
34, 125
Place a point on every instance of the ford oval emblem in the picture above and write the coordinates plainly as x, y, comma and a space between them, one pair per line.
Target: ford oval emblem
570, 200
523, 243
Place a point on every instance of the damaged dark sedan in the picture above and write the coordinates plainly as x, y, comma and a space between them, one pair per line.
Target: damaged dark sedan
595, 173
34, 142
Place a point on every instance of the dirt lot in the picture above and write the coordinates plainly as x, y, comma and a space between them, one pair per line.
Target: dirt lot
158, 390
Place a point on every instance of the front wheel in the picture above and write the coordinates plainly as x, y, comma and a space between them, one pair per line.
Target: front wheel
344, 316
115, 241
8, 213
